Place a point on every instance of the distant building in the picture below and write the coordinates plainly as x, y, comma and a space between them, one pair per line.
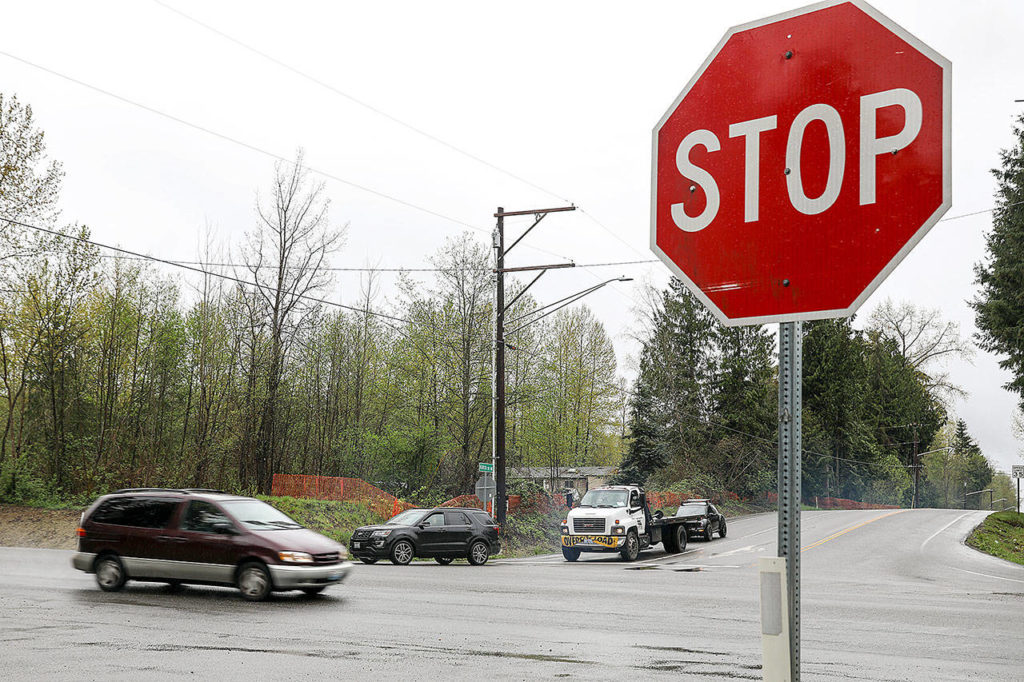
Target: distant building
557, 479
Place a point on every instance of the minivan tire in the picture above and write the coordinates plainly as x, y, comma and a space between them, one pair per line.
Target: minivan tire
254, 581
110, 574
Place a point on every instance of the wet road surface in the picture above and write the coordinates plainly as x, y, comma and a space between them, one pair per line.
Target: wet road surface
886, 596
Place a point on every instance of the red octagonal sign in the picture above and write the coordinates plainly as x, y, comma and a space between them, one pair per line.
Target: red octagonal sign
801, 163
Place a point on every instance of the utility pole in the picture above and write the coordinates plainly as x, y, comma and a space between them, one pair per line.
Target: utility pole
498, 381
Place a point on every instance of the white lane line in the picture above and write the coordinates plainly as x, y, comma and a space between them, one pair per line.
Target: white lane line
933, 535
758, 547
986, 575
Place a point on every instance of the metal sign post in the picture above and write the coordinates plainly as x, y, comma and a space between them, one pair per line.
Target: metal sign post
790, 448
1017, 471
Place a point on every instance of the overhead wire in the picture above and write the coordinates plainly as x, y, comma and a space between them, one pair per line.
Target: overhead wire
192, 268
357, 101
259, 150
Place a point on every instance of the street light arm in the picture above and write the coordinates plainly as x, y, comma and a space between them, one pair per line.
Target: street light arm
568, 300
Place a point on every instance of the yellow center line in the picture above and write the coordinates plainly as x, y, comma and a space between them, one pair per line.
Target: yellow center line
847, 530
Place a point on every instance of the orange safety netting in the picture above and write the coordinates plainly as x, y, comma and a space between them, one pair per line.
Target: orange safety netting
340, 489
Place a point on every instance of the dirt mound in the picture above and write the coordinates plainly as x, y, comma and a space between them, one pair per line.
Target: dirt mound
32, 527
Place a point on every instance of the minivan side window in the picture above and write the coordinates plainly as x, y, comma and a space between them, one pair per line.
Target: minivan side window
139, 512
203, 517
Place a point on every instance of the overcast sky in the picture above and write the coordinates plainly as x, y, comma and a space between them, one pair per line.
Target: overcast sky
562, 95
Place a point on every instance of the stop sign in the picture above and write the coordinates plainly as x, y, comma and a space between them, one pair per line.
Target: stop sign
801, 163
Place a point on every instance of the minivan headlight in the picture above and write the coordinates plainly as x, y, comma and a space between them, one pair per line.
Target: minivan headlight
295, 557
380, 533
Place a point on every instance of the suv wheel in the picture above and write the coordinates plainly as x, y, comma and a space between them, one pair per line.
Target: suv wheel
401, 553
110, 575
478, 553
721, 528
254, 581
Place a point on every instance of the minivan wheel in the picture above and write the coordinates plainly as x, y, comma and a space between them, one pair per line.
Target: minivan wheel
401, 553
254, 581
443, 560
110, 575
478, 553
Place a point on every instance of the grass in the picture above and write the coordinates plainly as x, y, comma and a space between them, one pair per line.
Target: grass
336, 520
1001, 534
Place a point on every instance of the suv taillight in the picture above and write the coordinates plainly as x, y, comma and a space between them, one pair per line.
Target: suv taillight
80, 532
497, 529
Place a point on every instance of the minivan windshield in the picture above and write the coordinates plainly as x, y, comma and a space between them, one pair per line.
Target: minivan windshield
256, 515
605, 498
409, 517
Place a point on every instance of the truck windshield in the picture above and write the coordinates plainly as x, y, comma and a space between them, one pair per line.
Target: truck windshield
605, 498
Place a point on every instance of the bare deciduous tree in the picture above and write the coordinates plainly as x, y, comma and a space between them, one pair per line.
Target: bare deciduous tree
286, 256
924, 340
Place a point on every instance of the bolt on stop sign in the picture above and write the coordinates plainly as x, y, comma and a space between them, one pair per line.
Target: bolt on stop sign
801, 163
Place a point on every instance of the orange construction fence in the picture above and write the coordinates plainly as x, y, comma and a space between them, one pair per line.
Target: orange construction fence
340, 489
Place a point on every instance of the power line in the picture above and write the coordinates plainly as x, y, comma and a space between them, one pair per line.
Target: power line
355, 100
360, 269
388, 116
183, 266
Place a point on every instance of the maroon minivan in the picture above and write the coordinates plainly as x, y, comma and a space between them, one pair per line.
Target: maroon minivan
204, 537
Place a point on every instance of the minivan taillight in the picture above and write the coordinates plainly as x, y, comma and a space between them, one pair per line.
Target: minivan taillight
80, 532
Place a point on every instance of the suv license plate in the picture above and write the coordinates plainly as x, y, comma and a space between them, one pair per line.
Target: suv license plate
357, 545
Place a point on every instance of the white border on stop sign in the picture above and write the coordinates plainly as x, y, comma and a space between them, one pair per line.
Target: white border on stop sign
947, 165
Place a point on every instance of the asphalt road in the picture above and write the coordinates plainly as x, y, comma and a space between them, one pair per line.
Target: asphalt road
886, 596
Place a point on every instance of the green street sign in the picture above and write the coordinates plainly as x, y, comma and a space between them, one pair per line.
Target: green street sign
487, 467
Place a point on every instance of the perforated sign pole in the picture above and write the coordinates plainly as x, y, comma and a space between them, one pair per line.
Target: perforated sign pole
790, 448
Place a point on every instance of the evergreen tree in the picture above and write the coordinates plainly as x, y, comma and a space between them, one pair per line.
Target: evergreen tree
999, 306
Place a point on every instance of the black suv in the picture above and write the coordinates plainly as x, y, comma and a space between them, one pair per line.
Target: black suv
705, 521
445, 534
203, 536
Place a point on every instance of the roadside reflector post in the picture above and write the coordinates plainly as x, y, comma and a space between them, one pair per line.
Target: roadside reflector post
774, 619
790, 451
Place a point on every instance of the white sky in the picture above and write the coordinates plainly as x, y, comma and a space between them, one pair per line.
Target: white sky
562, 94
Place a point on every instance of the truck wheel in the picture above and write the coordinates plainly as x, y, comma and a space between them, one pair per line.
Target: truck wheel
676, 540
570, 553
668, 540
632, 548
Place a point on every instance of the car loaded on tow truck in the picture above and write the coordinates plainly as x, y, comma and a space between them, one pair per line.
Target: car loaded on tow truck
618, 519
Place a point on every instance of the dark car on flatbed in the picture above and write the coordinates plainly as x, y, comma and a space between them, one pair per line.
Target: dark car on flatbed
703, 520
206, 537
444, 534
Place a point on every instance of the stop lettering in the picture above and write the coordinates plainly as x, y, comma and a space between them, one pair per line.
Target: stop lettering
801, 163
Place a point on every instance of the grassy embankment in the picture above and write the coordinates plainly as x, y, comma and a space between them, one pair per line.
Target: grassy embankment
1001, 534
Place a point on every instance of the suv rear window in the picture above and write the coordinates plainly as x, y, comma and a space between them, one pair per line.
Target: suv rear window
483, 517
140, 512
